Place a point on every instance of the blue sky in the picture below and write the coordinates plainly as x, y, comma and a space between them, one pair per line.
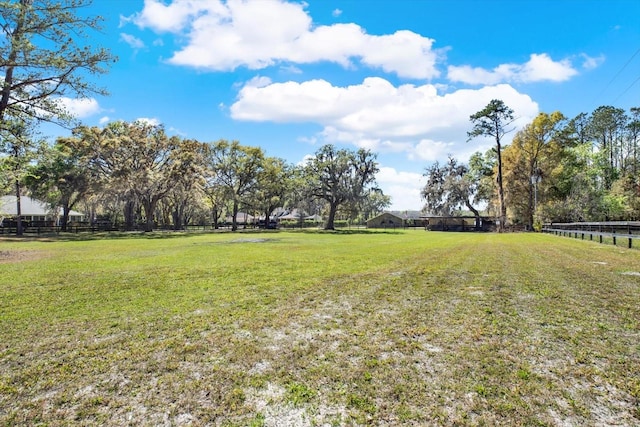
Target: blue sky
399, 77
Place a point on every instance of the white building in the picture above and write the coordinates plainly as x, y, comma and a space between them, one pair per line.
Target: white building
33, 210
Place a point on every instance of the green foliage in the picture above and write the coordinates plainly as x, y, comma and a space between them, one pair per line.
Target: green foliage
274, 183
299, 394
237, 169
588, 168
60, 179
528, 161
292, 223
340, 177
45, 55
138, 162
449, 188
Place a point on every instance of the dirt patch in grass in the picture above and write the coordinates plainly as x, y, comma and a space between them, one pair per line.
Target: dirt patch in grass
251, 240
20, 256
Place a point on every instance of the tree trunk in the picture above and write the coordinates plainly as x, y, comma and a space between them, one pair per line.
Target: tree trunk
267, 218
19, 228
234, 220
503, 207
149, 207
65, 217
215, 218
475, 213
178, 216
177, 222
129, 213
333, 207
531, 205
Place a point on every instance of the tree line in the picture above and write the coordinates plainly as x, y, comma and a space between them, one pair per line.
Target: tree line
555, 169
136, 175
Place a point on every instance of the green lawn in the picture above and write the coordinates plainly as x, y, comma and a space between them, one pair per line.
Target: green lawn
295, 328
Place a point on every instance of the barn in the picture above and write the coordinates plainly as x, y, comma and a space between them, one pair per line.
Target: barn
386, 220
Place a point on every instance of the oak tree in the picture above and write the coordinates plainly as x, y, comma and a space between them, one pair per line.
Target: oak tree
60, 179
448, 188
236, 168
340, 176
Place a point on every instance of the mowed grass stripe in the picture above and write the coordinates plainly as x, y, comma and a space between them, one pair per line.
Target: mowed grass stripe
299, 328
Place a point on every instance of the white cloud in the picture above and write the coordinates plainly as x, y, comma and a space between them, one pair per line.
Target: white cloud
336, 13
290, 69
589, 62
403, 187
172, 17
405, 53
305, 160
258, 82
543, 68
380, 116
152, 121
540, 67
132, 41
104, 120
431, 151
224, 35
80, 107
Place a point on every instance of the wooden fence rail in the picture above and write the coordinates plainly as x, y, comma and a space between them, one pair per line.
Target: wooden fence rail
615, 230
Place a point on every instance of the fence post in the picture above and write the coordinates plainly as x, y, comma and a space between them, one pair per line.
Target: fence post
613, 232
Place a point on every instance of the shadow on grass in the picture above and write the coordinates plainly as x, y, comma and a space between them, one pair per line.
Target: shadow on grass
172, 234
343, 231
104, 235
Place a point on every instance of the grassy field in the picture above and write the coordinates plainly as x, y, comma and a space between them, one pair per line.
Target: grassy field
304, 329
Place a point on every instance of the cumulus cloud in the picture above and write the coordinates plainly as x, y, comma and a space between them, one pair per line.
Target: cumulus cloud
173, 17
225, 35
403, 187
375, 114
540, 67
80, 107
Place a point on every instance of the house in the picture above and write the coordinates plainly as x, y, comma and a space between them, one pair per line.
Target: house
242, 218
297, 215
386, 220
33, 211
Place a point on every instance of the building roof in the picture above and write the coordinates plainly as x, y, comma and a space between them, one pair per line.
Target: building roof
386, 214
241, 217
28, 207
